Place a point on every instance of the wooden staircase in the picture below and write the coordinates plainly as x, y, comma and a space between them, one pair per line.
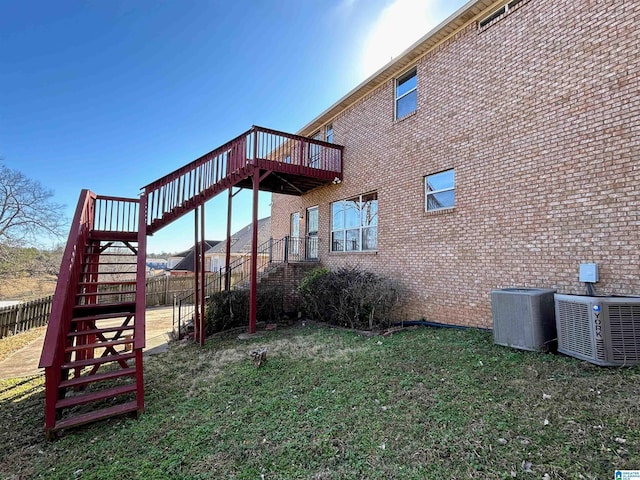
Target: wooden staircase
93, 360
92, 353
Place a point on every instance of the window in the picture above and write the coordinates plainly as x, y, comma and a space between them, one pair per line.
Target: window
314, 150
406, 94
329, 133
498, 13
354, 224
439, 190
294, 248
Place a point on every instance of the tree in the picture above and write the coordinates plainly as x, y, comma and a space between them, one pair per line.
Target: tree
28, 216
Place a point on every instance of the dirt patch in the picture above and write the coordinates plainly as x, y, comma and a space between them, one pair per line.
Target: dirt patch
13, 343
27, 288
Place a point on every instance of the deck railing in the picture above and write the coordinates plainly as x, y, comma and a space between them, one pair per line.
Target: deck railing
192, 184
274, 146
115, 214
93, 213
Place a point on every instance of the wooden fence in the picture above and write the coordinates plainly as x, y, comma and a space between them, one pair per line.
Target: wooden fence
22, 317
160, 291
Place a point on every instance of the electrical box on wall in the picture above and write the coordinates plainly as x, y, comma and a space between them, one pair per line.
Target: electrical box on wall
589, 272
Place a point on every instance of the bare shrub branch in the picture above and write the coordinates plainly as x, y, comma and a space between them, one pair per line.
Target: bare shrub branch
350, 297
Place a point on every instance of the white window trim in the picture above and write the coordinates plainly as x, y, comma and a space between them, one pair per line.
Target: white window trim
360, 229
314, 150
499, 14
433, 192
328, 126
413, 69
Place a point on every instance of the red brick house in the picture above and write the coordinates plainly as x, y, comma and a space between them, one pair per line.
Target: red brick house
502, 149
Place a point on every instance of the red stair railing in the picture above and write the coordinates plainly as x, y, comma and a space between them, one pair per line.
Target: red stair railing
116, 214
64, 301
70, 271
182, 188
93, 213
193, 184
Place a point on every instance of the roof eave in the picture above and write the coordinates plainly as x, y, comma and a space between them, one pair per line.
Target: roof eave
454, 23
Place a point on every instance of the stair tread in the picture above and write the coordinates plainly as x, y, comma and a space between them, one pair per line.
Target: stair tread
129, 253
110, 282
88, 346
110, 263
124, 292
105, 316
95, 396
96, 331
98, 361
98, 377
121, 306
113, 235
96, 415
108, 273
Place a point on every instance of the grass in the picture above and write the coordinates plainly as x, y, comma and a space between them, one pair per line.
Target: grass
330, 404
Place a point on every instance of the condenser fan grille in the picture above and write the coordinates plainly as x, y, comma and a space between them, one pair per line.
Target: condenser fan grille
574, 333
624, 322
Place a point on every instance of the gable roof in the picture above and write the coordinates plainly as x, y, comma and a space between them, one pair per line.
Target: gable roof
468, 13
186, 264
241, 240
180, 254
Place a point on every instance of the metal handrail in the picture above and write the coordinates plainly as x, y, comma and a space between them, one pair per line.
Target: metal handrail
271, 254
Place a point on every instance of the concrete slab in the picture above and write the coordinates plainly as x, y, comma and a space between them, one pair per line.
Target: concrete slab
24, 362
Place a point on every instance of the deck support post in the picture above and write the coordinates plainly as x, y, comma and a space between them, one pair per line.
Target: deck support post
253, 296
227, 257
202, 277
196, 268
139, 333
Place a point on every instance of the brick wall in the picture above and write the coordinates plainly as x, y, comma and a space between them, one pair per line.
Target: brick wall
539, 114
289, 276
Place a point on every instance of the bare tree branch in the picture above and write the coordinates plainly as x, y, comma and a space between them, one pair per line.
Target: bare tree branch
29, 220
27, 213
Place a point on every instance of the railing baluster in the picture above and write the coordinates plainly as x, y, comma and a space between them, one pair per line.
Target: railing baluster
183, 181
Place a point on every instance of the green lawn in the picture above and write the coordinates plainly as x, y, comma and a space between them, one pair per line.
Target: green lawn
424, 404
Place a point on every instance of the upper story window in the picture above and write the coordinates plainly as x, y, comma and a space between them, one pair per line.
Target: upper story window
440, 190
329, 133
499, 13
354, 224
406, 94
314, 150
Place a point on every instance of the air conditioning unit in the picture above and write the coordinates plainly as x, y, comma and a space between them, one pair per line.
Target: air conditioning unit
600, 330
524, 318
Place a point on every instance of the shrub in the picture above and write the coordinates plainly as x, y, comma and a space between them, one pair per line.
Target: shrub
230, 309
350, 297
312, 289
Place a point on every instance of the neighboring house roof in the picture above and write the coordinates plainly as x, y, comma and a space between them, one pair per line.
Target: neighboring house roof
241, 240
467, 14
186, 264
181, 254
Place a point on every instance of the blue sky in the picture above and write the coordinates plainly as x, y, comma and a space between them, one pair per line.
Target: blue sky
112, 94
